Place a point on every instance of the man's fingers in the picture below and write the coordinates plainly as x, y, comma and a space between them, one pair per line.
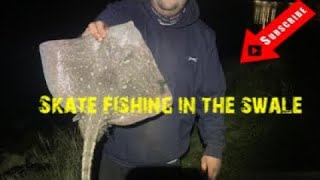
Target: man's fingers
101, 28
98, 30
203, 165
212, 171
210, 166
94, 31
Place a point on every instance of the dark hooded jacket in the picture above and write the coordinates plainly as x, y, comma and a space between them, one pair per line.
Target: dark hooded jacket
187, 56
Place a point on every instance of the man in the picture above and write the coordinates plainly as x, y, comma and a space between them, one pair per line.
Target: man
185, 51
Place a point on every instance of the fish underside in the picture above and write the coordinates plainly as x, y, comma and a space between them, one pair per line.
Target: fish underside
119, 66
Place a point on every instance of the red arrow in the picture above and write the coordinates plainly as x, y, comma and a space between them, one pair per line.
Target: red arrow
275, 33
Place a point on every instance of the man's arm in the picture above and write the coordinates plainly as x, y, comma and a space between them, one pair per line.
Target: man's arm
114, 13
211, 83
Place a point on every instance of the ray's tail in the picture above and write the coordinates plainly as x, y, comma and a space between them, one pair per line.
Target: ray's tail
87, 157
93, 128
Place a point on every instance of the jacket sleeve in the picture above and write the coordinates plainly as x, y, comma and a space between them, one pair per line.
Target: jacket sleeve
115, 13
211, 83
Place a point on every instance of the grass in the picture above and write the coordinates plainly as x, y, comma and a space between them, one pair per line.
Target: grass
61, 158
58, 158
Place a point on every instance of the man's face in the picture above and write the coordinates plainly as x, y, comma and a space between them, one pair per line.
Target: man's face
168, 7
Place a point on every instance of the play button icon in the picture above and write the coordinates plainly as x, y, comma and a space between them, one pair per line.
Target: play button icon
254, 50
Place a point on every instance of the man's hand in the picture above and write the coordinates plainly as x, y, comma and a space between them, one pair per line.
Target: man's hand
98, 29
211, 166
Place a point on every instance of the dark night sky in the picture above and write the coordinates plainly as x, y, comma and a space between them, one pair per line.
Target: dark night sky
28, 23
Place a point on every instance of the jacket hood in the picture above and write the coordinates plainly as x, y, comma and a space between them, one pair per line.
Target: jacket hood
189, 16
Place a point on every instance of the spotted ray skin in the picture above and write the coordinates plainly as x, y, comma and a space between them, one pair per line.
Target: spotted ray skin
120, 65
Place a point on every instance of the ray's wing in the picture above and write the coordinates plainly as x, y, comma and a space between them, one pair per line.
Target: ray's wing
120, 65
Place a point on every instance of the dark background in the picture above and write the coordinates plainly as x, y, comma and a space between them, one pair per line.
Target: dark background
28, 23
